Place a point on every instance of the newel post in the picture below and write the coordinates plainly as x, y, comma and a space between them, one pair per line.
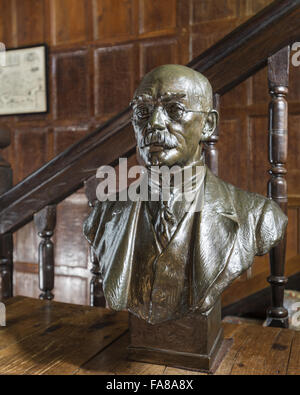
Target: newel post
278, 77
6, 241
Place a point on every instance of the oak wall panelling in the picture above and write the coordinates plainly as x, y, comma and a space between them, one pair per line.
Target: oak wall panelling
72, 84
28, 142
293, 175
30, 26
6, 31
98, 51
27, 241
72, 289
259, 154
157, 15
114, 19
115, 78
69, 21
294, 94
64, 136
207, 10
70, 247
233, 151
153, 54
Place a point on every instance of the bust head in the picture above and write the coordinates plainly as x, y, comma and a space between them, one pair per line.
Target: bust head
172, 116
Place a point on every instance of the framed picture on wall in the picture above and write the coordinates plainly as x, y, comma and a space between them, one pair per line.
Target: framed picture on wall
23, 81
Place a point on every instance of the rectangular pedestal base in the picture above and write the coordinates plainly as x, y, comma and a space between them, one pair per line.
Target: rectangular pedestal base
189, 361
193, 342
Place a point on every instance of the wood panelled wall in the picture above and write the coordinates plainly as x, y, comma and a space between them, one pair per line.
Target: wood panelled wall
98, 52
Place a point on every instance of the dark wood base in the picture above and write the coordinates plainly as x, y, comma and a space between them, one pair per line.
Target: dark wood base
278, 322
193, 342
203, 363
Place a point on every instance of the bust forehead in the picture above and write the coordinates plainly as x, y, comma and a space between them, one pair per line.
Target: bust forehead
178, 81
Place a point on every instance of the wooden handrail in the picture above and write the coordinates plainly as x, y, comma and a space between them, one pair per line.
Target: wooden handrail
247, 48
226, 64
65, 173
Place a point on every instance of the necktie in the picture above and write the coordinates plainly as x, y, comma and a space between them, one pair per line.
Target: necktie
168, 211
165, 224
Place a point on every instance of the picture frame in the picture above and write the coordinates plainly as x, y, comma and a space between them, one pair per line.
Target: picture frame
23, 80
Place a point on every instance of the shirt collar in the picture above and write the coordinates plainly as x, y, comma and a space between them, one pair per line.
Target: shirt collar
178, 196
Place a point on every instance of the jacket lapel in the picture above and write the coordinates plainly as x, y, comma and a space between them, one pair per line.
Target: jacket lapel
216, 233
114, 241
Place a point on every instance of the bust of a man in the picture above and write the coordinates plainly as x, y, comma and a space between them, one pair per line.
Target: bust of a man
175, 255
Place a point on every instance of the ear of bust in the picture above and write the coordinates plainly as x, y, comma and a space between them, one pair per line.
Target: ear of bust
210, 125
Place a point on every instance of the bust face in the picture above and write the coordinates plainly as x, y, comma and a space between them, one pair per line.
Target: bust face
171, 116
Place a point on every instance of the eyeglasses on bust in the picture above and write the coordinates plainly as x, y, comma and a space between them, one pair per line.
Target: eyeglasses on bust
142, 111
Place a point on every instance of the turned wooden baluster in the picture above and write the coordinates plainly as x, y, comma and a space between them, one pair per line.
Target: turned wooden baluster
210, 146
6, 241
45, 221
278, 76
96, 287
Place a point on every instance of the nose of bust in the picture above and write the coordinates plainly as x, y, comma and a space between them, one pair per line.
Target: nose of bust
157, 120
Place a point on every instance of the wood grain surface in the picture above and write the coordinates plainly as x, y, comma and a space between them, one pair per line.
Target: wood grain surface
43, 337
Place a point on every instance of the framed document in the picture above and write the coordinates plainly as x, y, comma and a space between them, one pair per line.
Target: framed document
23, 81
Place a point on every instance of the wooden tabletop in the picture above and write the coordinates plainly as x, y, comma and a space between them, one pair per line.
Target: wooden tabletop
44, 337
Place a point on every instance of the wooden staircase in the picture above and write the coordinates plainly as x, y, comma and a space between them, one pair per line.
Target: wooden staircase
262, 40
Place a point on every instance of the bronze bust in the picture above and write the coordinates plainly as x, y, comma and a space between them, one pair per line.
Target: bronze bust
164, 259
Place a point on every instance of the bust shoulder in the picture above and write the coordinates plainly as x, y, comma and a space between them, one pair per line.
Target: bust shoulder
262, 214
244, 202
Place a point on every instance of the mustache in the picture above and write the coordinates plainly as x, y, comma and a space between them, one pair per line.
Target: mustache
161, 137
